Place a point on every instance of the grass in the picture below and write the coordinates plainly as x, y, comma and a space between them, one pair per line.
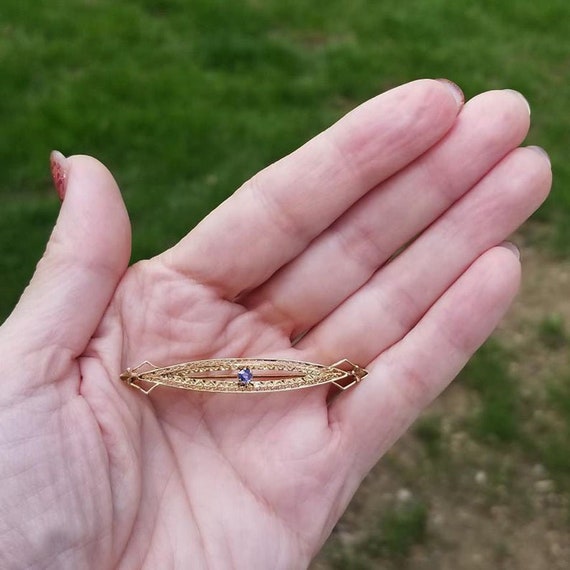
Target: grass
552, 446
487, 373
185, 100
397, 531
504, 417
552, 331
428, 430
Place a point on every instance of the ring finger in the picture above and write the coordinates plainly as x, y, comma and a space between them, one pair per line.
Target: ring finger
399, 294
344, 257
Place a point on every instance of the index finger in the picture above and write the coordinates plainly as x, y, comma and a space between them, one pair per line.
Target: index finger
278, 212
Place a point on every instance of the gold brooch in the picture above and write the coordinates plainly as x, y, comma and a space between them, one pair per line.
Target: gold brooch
243, 375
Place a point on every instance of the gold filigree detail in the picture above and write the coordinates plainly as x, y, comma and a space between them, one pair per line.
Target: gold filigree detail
222, 375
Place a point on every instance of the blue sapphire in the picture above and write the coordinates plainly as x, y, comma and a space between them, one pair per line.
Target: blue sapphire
245, 376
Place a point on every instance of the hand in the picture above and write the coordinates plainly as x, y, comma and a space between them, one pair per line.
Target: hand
96, 474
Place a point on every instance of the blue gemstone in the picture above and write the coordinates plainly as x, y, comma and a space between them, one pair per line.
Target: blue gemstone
245, 376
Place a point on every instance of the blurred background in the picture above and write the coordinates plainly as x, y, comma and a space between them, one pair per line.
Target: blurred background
185, 99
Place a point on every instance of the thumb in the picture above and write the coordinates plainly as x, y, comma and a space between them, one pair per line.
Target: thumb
86, 256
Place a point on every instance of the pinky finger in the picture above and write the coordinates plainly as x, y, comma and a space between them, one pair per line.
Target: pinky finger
405, 378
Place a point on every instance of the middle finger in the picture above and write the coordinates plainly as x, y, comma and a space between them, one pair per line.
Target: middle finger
344, 257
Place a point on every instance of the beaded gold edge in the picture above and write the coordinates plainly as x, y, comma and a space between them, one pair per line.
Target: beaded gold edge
243, 375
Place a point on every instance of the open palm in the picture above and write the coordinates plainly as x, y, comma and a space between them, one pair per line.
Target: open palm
299, 263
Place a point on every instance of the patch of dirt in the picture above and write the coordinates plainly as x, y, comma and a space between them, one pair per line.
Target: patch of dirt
545, 291
488, 506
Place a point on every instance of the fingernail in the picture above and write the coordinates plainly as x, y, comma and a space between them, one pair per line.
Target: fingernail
512, 247
455, 90
519, 94
58, 164
540, 150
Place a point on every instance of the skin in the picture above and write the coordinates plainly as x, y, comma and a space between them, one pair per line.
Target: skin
96, 474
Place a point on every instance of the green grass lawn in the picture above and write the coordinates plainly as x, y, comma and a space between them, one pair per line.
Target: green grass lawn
185, 99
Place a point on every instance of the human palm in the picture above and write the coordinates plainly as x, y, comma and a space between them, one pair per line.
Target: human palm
299, 263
